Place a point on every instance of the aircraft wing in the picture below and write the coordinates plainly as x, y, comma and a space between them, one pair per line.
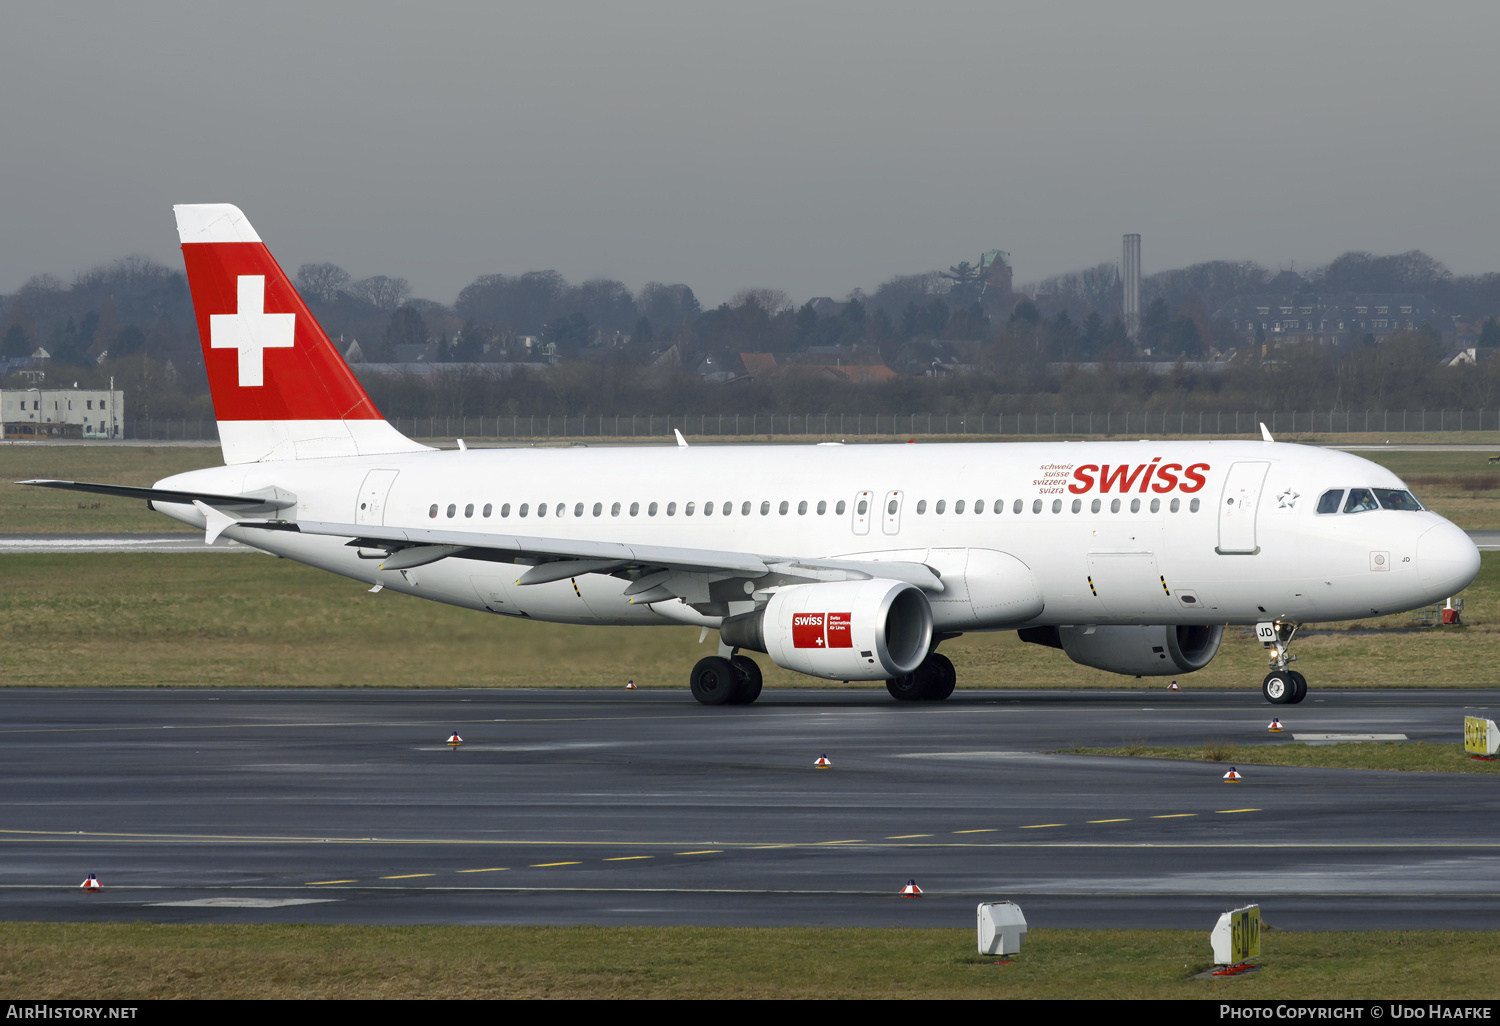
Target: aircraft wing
657, 572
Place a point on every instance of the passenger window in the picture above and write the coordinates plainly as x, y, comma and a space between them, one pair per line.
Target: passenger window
1036, 507
1360, 501
802, 508
1329, 503
822, 506
958, 507
651, 510
598, 509
452, 509
765, 507
1019, 505
635, 508
469, 510
942, 504
578, 509
979, 506
1094, 506
1193, 506
728, 509
1176, 505
488, 509
708, 509
671, 509
505, 510
1156, 505
921, 506
1057, 505
744, 509
541, 509
1135, 505
433, 511
839, 509
1077, 505
687, 510
783, 507
864, 507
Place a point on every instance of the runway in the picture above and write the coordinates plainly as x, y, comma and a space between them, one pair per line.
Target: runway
595, 807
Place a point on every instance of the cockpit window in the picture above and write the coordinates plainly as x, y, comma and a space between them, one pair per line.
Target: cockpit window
1329, 503
1360, 500
1393, 498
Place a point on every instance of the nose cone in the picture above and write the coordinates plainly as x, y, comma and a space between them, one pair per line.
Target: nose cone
1447, 561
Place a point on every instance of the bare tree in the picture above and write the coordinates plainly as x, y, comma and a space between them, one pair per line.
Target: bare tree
322, 281
381, 292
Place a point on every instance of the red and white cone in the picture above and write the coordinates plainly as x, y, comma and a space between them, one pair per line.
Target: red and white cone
92, 884
822, 762
1233, 776
454, 740
911, 890
1275, 726
630, 686
1173, 686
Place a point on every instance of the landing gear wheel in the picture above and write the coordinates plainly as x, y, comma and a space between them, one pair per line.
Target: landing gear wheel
713, 681
912, 687
747, 680
944, 677
1279, 687
1300, 684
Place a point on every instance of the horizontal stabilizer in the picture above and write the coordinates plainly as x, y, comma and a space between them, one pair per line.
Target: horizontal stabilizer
262, 500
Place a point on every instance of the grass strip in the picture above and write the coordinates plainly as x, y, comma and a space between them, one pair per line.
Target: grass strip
125, 961
1410, 756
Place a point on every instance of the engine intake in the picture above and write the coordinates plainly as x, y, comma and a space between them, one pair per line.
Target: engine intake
844, 630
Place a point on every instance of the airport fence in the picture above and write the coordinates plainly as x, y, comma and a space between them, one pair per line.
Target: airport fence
1202, 423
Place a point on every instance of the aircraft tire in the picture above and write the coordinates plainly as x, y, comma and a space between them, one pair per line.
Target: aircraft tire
713, 681
1278, 687
912, 687
1300, 684
747, 680
944, 677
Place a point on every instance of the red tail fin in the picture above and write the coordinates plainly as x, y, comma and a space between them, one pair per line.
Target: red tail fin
280, 389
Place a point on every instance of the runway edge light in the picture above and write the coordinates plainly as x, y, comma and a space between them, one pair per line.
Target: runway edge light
822, 762
911, 890
454, 740
1233, 776
92, 884
1002, 927
1173, 687
1275, 726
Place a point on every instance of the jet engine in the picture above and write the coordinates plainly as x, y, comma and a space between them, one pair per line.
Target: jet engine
1137, 651
843, 630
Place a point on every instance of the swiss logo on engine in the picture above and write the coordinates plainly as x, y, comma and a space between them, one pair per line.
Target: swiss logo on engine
822, 630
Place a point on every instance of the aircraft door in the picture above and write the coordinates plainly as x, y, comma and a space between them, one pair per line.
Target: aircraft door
370, 507
891, 512
1238, 506
861, 512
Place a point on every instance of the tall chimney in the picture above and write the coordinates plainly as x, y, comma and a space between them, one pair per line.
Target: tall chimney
1132, 286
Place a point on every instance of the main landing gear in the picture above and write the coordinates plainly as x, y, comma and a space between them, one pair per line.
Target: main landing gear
720, 681
1283, 685
932, 681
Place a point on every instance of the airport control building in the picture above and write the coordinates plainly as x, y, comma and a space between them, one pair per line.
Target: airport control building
30, 413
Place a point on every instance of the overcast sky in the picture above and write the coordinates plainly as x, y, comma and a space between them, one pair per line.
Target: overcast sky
812, 147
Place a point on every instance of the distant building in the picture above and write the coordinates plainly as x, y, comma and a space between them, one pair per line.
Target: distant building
1328, 319
62, 412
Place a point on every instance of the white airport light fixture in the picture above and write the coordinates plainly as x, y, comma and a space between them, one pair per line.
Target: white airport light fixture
1002, 928
1481, 737
1236, 936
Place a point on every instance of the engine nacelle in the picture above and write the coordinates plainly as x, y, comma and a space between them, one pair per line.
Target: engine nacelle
842, 630
1137, 651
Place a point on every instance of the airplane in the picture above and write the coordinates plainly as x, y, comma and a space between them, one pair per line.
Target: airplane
850, 563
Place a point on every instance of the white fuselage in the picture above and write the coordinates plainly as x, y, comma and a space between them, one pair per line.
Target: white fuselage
1202, 533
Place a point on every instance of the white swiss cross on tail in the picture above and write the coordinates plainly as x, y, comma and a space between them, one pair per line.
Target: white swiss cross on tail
251, 330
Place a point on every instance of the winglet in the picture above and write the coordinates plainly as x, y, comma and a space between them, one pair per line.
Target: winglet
1265, 433
681, 442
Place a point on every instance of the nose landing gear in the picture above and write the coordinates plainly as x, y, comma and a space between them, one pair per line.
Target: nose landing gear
1283, 685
